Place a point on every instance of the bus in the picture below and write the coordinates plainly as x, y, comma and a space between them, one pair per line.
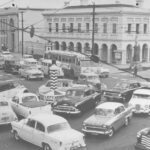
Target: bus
74, 63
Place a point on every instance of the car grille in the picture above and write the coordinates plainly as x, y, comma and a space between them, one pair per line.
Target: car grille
95, 128
67, 108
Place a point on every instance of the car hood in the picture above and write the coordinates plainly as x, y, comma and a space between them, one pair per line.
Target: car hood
67, 135
97, 120
71, 101
44, 89
34, 104
140, 101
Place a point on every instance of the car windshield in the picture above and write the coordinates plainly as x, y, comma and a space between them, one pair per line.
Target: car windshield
3, 103
104, 112
57, 127
122, 85
26, 99
142, 96
77, 93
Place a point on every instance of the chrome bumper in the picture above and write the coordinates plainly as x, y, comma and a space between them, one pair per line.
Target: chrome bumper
94, 132
66, 112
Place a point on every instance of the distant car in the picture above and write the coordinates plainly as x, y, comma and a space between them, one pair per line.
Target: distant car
122, 91
143, 139
9, 88
51, 132
140, 101
6, 113
108, 117
93, 79
26, 56
25, 104
6, 55
77, 100
31, 73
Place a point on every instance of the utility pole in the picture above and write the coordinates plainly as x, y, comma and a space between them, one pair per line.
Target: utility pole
22, 33
93, 27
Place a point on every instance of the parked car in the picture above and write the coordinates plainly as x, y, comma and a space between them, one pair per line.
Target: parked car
140, 101
6, 113
10, 66
26, 56
143, 139
31, 73
93, 79
77, 100
51, 132
122, 91
108, 118
25, 104
9, 88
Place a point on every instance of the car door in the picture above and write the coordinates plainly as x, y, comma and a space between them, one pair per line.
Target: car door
39, 133
27, 131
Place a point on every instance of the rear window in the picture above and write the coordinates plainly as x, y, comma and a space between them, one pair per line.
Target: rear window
3, 103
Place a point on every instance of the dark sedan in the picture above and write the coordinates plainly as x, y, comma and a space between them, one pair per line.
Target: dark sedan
122, 91
77, 100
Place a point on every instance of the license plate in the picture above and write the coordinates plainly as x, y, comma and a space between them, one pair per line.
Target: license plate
5, 119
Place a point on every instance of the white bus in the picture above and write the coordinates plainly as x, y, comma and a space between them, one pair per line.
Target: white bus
74, 63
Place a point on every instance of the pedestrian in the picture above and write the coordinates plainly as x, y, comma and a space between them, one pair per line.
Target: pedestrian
135, 70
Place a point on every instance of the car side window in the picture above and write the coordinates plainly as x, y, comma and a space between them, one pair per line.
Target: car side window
117, 111
15, 99
122, 109
40, 127
31, 123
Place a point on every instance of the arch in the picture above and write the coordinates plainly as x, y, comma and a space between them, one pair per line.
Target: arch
79, 47
129, 53
136, 56
71, 46
145, 53
86, 48
104, 52
95, 50
56, 45
112, 53
12, 34
63, 46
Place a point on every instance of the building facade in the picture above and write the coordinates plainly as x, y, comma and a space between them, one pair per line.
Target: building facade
121, 31
9, 33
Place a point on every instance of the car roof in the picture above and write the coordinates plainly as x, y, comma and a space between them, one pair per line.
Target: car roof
142, 91
109, 105
48, 119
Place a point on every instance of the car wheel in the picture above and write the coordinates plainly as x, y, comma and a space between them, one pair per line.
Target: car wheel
16, 136
46, 147
126, 122
111, 133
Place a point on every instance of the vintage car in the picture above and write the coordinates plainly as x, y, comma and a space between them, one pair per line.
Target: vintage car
30, 72
140, 101
9, 88
93, 79
10, 66
122, 91
51, 132
25, 104
6, 113
143, 139
108, 117
77, 100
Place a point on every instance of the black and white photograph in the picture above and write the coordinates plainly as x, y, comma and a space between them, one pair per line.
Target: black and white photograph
75, 75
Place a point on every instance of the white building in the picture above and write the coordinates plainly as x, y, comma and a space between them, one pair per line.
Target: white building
118, 28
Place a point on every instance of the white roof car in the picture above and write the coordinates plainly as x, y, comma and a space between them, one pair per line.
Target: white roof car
51, 132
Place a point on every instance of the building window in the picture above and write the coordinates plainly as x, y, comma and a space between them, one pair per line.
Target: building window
96, 27
87, 27
129, 28
105, 28
145, 28
71, 27
50, 27
79, 27
56, 27
63, 27
137, 28
114, 30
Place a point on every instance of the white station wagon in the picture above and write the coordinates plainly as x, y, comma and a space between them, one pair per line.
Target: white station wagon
140, 101
51, 132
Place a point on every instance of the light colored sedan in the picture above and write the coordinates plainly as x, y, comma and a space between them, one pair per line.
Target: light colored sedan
51, 132
6, 113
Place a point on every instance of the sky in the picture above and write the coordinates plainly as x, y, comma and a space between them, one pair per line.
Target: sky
60, 3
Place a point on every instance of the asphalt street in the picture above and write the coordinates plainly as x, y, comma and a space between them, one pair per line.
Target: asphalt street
124, 139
